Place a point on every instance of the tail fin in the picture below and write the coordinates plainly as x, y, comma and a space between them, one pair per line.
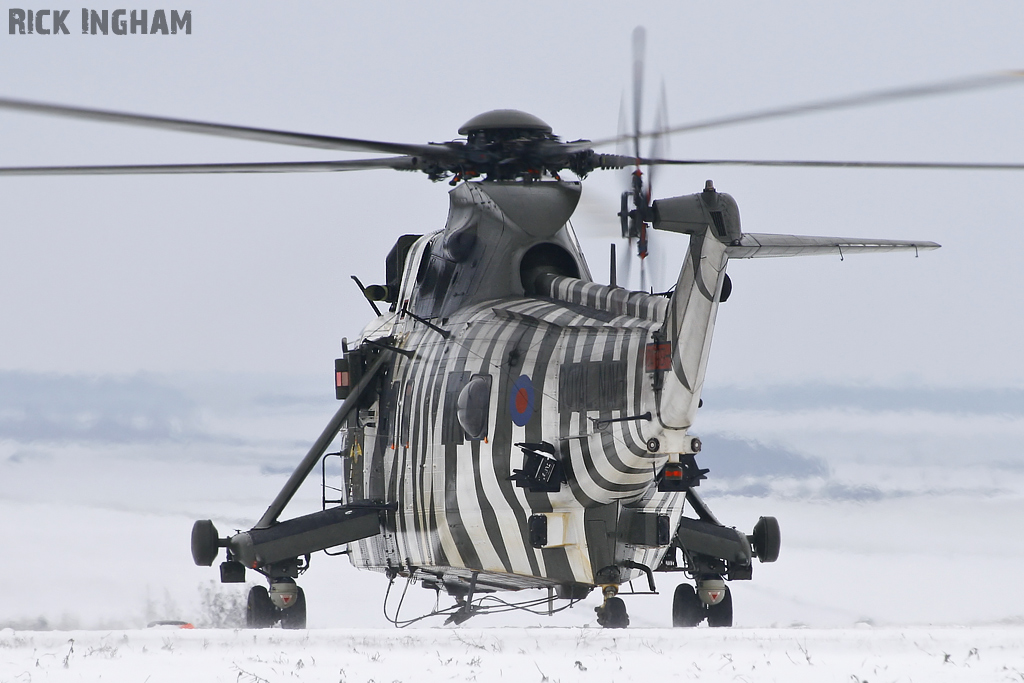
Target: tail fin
688, 329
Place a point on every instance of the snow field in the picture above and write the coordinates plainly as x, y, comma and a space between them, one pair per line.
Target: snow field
545, 655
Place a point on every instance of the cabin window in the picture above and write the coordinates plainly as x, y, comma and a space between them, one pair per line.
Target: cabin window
407, 412
387, 407
473, 406
467, 400
451, 430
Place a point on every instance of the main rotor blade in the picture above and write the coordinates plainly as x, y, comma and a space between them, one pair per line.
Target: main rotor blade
397, 163
639, 47
224, 130
621, 142
660, 141
839, 164
622, 145
849, 102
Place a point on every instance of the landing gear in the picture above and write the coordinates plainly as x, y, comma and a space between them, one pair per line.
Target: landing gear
294, 617
721, 613
262, 612
612, 614
259, 610
689, 607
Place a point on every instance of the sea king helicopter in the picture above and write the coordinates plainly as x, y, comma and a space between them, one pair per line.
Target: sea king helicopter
506, 422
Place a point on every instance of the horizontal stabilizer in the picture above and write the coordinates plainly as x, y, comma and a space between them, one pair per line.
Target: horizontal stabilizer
753, 245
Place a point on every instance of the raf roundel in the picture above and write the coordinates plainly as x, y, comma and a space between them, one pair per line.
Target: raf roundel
520, 400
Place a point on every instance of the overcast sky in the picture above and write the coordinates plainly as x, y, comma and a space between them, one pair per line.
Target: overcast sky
251, 273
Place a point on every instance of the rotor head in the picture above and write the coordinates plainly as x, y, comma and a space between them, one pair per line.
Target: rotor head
507, 144
505, 119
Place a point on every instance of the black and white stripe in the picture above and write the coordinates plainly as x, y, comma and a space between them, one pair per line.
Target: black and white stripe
458, 512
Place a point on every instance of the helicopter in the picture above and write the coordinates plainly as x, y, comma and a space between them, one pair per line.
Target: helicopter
506, 422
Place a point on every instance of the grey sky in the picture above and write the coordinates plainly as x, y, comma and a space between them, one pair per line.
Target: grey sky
250, 273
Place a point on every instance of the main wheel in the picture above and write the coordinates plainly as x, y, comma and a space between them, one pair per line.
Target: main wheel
721, 614
259, 610
294, 616
613, 614
687, 609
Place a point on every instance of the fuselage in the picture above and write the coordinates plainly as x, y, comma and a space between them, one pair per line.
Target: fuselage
555, 359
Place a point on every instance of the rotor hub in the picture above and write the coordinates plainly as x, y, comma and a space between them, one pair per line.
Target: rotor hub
505, 119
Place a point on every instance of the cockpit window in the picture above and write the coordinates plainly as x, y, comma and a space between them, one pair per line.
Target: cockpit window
394, 265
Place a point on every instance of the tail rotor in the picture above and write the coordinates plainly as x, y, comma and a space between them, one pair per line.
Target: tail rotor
636, 214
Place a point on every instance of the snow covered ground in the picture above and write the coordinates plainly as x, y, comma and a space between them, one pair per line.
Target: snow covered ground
543, 655
899, 507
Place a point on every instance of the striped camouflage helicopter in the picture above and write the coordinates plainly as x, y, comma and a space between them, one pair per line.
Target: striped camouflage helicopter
506, 422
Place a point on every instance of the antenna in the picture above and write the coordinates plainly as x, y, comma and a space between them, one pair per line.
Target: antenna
612, 268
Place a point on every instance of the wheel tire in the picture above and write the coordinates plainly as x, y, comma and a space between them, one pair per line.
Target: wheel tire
767, 539
294, 617
687, 609
259, 610
205, 543
613, 614
720, 615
